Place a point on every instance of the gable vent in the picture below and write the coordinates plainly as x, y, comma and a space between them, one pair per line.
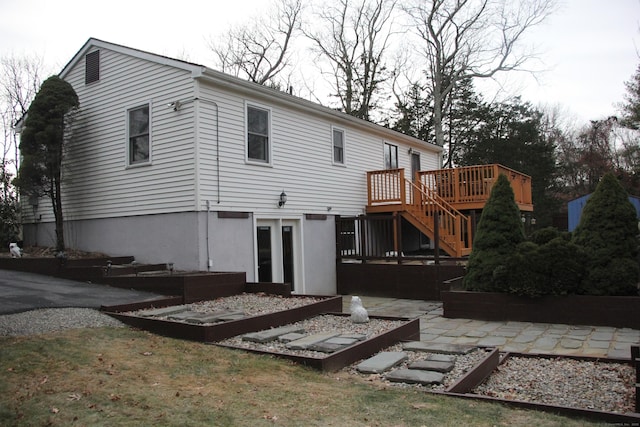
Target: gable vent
92, 67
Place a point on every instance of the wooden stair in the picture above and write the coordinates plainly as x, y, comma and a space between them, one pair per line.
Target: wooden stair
419, 204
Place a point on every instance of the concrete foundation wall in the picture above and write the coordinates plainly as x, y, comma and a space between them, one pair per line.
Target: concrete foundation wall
181, 239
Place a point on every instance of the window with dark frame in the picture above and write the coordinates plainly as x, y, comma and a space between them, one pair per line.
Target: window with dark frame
257, 134
338, 146
139, 137
390, 156
92, 67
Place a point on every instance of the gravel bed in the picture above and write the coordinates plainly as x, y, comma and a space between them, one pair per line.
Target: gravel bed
318, 324
250, 304
463, 364
604, 386
47, 320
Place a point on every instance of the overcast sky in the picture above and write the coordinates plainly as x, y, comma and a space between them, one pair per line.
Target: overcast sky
589, 47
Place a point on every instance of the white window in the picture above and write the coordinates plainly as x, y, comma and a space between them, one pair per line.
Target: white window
258, 134
390, 156
338, 146
139, 135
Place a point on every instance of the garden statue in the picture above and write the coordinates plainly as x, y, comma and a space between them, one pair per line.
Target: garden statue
15, 250
358, 312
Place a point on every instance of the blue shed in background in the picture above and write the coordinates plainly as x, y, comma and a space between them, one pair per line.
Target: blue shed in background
576, 205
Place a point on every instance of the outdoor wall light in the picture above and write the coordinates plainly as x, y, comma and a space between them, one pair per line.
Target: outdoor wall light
283, 199
175, 106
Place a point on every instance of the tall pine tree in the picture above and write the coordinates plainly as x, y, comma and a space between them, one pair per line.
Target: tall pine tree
46, 128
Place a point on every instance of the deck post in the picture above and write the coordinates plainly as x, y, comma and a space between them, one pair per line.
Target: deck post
436, 237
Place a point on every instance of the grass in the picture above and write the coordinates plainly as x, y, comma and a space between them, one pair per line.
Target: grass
122, 377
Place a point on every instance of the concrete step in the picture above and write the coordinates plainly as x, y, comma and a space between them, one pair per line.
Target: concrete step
431, 347
413, 376
382, 362
271, 334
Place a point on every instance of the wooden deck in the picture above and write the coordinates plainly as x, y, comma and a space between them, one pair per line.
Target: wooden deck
435, 201
465, 188
469, 187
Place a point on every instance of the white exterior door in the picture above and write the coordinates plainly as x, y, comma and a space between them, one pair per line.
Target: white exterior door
278, 251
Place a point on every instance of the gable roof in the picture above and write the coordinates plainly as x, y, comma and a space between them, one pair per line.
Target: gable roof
204, 73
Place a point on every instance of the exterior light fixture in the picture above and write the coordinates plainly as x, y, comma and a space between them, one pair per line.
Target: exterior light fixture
283, 199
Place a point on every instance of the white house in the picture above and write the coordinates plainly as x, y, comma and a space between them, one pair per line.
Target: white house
175, 162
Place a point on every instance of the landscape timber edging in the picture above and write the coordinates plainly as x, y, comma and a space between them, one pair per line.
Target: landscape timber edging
615, 311
224, 330
484, 368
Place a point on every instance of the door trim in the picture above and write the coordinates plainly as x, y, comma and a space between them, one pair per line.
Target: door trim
276, 249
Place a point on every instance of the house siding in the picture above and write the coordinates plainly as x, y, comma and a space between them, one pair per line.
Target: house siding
301, 160
97, 181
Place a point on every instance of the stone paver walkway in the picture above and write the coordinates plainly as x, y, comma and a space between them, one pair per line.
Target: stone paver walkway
521, 337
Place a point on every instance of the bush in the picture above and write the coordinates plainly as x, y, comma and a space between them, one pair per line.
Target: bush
498, 234
607, 233
545, 235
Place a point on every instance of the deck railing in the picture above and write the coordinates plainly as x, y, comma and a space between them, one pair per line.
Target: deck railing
386, 187
390, 191
472, 184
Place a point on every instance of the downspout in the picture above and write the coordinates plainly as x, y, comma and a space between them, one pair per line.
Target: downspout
209, 262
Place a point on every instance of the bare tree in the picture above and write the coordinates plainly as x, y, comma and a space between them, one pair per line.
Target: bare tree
20, 79
354, 37
19, 83
462, 39
259, 51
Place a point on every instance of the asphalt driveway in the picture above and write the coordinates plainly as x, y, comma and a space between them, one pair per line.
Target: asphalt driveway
27, 291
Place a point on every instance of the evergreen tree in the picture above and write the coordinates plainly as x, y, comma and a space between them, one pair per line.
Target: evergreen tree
414, 108
498, 234
511, 134
607, 234
631, 106
47, 126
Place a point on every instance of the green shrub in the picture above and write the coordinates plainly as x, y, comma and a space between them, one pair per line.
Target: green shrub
553, 268
607, 234
497, 235
545, 235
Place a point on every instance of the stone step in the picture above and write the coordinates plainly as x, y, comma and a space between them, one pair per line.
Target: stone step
311, 340
413, 376
441, 357
270, 334
327, 347
430, 347
334, 344
291, 337
165, 311
213, 317
432, 365
381, 362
